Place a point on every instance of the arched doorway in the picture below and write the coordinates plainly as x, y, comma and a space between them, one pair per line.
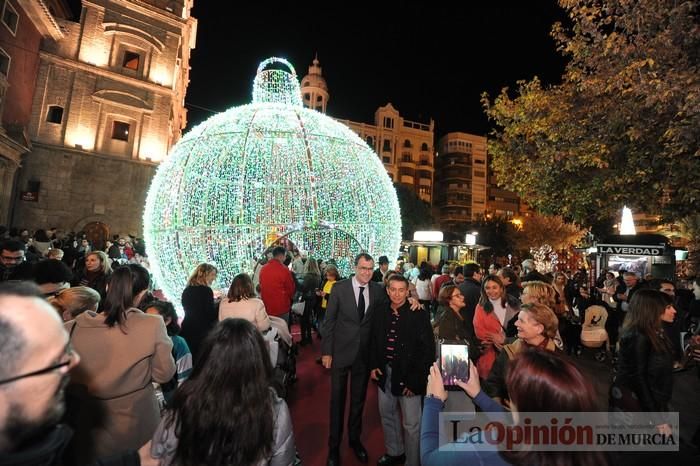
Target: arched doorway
315, 243
97, 233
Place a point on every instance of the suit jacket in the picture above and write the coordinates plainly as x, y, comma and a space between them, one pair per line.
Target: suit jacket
344, 336
471, 290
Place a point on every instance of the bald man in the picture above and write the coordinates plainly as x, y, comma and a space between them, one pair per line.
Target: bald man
35, 358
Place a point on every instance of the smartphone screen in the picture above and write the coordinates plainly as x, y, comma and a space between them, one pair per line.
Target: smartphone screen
454, 363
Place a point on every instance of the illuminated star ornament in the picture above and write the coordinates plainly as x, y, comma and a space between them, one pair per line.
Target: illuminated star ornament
260, 174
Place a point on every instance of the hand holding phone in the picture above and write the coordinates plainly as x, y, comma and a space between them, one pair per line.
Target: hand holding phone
473, 385
435, 387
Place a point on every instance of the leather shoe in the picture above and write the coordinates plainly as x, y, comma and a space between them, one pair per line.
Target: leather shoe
360, 452
388, 460
333, 457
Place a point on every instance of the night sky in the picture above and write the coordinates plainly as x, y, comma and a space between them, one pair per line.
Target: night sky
429, 59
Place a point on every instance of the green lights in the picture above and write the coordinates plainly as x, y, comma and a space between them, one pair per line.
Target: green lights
246, 177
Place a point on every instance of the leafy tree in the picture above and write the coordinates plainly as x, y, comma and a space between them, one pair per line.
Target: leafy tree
621, 128
497, 233
415, 213
553, 230
689, 230
544, 235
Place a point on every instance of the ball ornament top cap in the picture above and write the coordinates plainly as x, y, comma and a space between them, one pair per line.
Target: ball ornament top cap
273, 85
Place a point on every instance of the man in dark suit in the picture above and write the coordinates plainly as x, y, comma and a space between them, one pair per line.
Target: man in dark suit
471, 289
345, 351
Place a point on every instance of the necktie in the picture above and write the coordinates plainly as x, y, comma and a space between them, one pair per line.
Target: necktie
361, 303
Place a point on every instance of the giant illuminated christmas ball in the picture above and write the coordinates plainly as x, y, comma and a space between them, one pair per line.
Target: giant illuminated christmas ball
271, 172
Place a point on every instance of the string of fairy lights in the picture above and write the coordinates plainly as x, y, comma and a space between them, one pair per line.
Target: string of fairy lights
257, 174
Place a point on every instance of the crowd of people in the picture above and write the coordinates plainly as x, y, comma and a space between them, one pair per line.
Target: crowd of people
95, 369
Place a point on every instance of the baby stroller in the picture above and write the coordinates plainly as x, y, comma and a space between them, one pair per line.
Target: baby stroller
593, 333
283, 354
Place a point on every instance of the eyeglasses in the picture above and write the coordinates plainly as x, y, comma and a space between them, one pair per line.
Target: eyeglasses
366, 269
69, 356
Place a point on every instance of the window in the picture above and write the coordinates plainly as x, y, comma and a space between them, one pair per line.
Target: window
386, 145
55, 114
424, 146
4, 62
307, 96
10, 17
386, 160
388, 122
370, 141
479, 173
131, 60
318, 98
407, 143
120, 131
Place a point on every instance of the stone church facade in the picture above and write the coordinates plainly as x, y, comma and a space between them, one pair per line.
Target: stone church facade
108, 105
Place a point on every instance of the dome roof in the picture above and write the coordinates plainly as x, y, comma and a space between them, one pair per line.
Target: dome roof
261, 174
315, 77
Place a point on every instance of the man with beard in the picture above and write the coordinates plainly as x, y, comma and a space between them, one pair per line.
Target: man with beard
35, 358
13, 264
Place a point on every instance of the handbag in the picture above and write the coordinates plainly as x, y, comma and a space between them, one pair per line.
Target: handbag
298, 307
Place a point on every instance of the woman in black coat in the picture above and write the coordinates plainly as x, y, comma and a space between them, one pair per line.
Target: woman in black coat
309, 286
201, 314
450, 323
644, 380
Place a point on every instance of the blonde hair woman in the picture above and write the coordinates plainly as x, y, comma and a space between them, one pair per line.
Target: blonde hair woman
71, 302
539, 292
537, 327
201, 313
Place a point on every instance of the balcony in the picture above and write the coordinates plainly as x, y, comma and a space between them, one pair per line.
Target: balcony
459, 189
456, 175
454, 217
407, 164
456, 203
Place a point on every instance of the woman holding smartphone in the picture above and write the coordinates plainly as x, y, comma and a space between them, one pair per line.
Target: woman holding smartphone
538, 381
